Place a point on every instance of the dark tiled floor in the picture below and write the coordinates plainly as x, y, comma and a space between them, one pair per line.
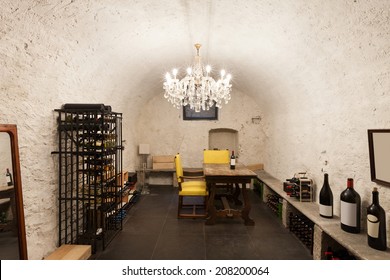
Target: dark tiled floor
151, 231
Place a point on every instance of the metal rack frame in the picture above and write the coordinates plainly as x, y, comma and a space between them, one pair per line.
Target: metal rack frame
90, 176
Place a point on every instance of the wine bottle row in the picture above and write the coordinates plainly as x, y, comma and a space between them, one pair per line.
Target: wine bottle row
303, 228
340, 254
275, 202
350, 213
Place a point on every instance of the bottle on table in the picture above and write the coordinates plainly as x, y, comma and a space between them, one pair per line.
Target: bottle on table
232, 161
326, 199
376, 223
350, 209
8, 176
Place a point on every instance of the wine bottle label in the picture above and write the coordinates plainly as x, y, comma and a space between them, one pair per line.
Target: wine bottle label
373, 226
326, 210
348, 214
8, 179
233, 161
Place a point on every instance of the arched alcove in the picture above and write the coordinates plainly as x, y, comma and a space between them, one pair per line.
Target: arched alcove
223, 138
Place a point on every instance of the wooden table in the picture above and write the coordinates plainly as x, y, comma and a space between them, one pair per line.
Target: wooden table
221, 173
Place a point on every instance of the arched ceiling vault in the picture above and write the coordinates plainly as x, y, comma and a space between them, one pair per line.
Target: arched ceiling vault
275, 50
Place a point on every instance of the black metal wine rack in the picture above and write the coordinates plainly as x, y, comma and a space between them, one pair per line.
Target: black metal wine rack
303, 228
90, 175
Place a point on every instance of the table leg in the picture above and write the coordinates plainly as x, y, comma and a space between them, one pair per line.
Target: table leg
247, 208
212, 211
237, 192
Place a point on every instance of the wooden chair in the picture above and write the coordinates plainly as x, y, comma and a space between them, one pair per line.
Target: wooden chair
191, 188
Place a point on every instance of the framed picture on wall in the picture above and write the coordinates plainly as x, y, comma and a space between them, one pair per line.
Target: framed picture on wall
379, 152
191, 115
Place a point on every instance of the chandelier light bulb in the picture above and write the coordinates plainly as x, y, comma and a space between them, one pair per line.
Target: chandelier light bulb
174, 72
208, 69
189, 71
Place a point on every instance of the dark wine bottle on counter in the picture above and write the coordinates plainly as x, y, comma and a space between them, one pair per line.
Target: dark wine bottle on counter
376, 223
326, 199
8, 176
232, 161
350, 209
329, 253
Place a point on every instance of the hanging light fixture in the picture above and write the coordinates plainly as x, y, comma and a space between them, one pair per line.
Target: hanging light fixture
197, 89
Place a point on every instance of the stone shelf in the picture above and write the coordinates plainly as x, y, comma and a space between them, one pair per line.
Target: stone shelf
324, 228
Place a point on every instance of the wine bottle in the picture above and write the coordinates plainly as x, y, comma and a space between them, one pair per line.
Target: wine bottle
329, 253
9, 178
232, 161
376, 223
350, 209
326, 199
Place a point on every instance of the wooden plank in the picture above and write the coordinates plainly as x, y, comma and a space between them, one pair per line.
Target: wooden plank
71, 252
163, 165
225, 203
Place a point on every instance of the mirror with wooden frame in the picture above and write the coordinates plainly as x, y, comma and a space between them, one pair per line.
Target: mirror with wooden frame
379, 151
13, 245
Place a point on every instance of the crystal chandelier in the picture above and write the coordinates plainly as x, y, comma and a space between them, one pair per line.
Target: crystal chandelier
197, 89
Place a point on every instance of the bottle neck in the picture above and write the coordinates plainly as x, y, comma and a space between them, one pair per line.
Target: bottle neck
350, 183
375, 197
326, 180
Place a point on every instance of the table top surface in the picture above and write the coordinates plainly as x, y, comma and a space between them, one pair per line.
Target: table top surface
224, 170
4, 189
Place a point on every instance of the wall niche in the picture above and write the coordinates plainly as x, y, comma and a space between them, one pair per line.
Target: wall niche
223, 138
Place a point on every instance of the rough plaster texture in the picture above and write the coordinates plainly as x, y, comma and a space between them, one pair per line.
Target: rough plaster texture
162, 126
316, 71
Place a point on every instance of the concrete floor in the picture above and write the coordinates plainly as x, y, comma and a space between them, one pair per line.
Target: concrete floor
151, 231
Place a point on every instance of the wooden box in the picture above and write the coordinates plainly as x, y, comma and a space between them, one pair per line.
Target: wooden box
163, 162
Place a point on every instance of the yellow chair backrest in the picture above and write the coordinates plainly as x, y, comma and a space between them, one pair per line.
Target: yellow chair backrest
179, 168
216, 156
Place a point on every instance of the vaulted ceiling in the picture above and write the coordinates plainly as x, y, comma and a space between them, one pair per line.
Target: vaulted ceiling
276, 50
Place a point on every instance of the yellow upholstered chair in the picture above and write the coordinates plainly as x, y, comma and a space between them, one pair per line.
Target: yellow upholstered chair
192, 189
216, 156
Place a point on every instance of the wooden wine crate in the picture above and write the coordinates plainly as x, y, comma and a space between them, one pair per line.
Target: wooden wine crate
120, 180
163, 162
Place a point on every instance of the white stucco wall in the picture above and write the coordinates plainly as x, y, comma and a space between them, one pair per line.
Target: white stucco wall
317, 72
340, 90
162, 126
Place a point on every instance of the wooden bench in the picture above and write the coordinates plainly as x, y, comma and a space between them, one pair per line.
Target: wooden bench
163, 166
71, 252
